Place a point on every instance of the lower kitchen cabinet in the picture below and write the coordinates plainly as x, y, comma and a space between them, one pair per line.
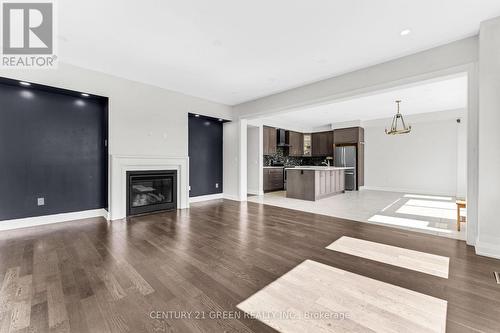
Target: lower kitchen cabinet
273, 179
314, 184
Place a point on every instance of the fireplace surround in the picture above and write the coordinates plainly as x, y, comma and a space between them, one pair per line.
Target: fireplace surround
120, 164
150, 191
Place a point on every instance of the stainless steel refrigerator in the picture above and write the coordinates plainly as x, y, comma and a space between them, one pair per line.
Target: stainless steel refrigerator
346, 157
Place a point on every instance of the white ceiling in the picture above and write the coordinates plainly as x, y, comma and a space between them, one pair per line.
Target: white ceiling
425, 97
231, 51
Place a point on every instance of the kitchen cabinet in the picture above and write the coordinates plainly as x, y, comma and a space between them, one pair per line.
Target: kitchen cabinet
322, 143
353, 136
315, 144
296, 141
306, 144
314, 184
360, 172
269, 140
348, 135
273, 179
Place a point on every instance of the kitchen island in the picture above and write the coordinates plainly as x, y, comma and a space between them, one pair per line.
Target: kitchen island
314, 182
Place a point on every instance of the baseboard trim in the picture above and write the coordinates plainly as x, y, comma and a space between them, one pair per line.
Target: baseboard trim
207, 197
488, 249
402, 190
49, 219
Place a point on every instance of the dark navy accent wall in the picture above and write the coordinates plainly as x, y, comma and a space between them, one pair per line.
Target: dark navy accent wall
205, 155
52, 146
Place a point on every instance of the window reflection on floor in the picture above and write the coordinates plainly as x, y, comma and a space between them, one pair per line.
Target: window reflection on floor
424, 212
404, 222
438, 209
432, 197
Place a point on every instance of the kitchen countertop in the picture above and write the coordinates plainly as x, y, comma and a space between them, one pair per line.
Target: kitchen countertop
274, 167
319, 168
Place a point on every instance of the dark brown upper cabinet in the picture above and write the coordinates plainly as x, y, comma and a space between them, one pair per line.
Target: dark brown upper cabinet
348, 135
353, 136
296, 141
322, 144
269, 140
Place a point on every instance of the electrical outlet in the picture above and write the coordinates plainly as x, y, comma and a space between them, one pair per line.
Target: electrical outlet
190, 187
40, 201
216, 185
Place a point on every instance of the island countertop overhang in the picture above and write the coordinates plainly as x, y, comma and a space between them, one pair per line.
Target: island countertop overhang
320, 168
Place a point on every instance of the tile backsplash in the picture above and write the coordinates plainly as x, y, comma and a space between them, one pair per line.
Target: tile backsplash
281, 156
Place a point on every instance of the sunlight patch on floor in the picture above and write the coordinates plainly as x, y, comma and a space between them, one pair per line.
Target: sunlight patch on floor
431, 197
432, 204
390, 205
314, 297
397, 256
440, 213
404, 222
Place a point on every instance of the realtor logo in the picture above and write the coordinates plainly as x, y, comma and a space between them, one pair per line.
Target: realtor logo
28, 34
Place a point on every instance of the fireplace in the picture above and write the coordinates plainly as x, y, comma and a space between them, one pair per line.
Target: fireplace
151, 191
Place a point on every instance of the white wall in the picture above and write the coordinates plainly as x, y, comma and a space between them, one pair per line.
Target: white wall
143, 119
424, 161
255, 160
488, 237
462, 157
231, 160
235, 160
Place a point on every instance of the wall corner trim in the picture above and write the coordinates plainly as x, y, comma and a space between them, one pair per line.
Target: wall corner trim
488, 249
233, 197
255, 192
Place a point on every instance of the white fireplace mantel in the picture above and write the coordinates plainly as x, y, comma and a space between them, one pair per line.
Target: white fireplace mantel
120, 164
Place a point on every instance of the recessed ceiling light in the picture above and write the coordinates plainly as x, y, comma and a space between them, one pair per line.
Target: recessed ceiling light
405, 32
196, 115
220, 119
85, 95
25, 83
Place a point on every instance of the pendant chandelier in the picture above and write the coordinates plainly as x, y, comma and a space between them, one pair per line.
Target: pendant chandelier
394, 126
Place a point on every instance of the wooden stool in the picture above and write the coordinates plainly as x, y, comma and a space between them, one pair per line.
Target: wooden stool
460, 204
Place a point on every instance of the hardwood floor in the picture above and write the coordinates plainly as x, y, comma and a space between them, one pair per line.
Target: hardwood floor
135, 275
327, 299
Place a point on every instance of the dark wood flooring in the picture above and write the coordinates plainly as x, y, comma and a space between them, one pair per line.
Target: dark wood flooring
98, 276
